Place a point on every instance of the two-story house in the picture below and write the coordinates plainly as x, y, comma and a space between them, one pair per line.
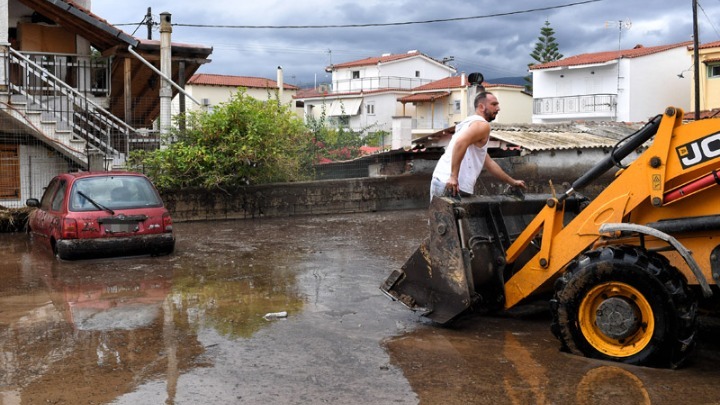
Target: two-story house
629, 85
77, 92
445, 102
363, 93
213, 89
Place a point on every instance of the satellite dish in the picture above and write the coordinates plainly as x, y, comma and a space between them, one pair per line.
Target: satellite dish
475, 78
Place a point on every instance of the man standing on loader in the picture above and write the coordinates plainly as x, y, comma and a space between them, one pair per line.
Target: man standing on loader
466, 156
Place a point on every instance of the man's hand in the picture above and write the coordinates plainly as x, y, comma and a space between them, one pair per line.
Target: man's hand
451, 187
518, 183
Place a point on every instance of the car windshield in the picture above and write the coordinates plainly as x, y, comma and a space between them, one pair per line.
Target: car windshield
113, 192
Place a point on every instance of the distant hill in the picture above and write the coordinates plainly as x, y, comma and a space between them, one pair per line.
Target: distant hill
518, 81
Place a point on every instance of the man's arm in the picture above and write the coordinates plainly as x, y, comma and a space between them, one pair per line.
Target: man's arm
493, 168
477, 132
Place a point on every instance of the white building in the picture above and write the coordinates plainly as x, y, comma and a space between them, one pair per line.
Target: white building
363, 94
631, 85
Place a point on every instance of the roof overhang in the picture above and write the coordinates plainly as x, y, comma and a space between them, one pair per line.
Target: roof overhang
424, 97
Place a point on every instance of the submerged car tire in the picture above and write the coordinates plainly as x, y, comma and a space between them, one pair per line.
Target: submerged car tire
627, 305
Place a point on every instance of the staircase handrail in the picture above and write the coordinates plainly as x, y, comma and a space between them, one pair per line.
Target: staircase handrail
117, 123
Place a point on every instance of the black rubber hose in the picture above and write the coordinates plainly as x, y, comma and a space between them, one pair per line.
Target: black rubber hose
619, 153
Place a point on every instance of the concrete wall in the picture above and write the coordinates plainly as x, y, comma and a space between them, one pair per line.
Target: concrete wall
392, 192
305, 198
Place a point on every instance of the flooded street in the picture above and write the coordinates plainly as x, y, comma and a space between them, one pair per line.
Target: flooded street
189, 328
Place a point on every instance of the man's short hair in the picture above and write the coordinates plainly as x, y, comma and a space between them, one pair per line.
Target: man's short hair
480, 98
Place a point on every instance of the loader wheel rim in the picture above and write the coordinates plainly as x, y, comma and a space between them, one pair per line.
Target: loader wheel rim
616, 319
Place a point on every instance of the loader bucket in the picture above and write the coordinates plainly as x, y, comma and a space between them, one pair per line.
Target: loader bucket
462, 263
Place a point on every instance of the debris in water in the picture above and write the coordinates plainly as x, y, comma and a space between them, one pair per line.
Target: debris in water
275, 315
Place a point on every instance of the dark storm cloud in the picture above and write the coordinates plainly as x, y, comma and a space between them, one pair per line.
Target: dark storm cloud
496, 46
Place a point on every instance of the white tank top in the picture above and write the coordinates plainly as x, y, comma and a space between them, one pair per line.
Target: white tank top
472, 164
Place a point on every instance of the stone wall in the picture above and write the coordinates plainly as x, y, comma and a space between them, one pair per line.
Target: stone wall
302, 198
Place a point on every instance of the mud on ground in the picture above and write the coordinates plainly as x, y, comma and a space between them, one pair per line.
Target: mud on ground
189, 328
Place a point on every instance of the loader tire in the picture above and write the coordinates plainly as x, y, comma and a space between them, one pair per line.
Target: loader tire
627, 305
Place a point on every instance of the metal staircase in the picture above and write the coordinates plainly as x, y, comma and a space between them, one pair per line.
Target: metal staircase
63, 117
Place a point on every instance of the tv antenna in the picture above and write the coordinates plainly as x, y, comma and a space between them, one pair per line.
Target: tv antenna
622, 25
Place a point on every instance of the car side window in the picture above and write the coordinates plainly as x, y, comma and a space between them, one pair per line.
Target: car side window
49, 194
59, 197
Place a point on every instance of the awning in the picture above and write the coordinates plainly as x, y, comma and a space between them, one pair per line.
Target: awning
421, 97
346, 106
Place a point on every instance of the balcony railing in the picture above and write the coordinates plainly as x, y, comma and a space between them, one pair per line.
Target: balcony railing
591, 104
377, 83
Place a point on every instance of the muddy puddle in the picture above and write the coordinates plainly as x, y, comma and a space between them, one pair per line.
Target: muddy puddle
189, 328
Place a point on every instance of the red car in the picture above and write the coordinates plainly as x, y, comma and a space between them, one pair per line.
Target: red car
102, 214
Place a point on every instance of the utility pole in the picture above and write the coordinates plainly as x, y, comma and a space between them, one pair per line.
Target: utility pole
149, 23
166, 69
696, 60
622, 25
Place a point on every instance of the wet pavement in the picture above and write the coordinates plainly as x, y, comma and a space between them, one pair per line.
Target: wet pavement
189, 328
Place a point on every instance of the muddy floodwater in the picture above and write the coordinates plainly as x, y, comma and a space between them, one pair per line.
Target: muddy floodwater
190, 328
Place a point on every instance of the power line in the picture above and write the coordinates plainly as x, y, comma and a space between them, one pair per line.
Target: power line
709, 20
382, 24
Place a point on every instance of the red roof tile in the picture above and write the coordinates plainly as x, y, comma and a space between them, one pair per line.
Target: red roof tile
375, 60
715, 44
602, 57
236, 81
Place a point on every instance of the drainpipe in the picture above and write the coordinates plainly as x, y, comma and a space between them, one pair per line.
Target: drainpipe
280, 84
166, 69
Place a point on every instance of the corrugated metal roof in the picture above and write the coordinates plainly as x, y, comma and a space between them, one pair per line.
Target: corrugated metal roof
544, 137
540, 140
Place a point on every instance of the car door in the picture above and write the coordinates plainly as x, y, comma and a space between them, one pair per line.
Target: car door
40, 218
48, 215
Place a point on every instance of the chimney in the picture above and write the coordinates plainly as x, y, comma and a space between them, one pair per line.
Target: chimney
280, 84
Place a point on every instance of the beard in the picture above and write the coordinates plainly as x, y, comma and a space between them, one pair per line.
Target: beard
489, 116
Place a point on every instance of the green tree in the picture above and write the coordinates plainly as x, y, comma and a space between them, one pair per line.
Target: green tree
546, 50
243, 141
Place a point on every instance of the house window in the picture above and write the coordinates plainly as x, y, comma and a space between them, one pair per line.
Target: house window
456, 106
370, 108
355, 74
417, 73
714, 70
9, 172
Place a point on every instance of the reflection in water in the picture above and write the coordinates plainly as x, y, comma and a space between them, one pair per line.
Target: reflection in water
103, 327
504, 360
234, 304
611, 384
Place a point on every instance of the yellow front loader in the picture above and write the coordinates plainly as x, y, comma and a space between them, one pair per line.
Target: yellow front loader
625, 273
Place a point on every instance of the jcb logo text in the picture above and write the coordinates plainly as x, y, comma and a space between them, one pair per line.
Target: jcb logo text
699, 151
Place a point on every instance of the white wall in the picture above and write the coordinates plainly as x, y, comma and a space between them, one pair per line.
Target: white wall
408, 67
653, 85
38, 166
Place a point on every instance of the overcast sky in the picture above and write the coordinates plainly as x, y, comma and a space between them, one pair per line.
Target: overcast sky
498, 43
